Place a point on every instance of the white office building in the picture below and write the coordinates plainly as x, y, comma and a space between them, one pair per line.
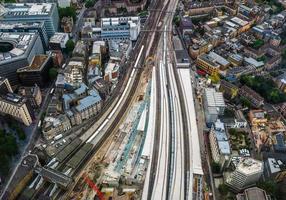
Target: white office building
64, 3
247, 173
120, 28
74, 73
214, 105
31, 12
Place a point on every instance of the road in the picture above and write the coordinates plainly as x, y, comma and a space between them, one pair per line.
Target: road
203, 138
33, 137
78, 25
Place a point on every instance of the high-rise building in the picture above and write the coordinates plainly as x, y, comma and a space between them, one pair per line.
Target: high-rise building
5, 86
37, 72
33, 95
247, 172
32, 12
36, 27
16, 51
15, 106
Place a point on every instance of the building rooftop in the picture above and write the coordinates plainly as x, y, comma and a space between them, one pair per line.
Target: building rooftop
27, 9
249, 166
37, 64
239, 21
88, 101
219, 59
13, 98
276, 165
214, 98
208, 59
221, 137
119, 21
253, 62
12, 25
59, 37
15, 45
253, 193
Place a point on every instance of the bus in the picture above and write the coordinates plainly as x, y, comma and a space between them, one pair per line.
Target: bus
52, 90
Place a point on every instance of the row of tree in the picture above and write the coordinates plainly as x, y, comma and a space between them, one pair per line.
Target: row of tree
265, 87
8, 149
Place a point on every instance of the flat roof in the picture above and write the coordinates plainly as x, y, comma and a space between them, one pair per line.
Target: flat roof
22, 43
219, 59
193, 129
221, 137
255, 194
214, 98
13, 98
14, 25
30, 9
249, 166
79, 156
239, 21
67, 150
209, 60
37, 63
59, 37
253, 62
88, 101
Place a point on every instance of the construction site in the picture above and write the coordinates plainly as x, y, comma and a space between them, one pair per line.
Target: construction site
118, 168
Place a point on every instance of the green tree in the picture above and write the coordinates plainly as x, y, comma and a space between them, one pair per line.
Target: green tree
215, 167
89, 3
232, 131
70, 46
9, 1
4, 164
257, 44
223, 189
215, 78
266, 87
21, 134
245, 102
177, 20
67, 12
53, 72
269, 186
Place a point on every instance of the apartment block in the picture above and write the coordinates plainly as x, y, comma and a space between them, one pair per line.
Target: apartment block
255, 99
220, 147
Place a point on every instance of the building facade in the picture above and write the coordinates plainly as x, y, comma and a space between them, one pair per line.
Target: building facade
15, 106
74, 73
31, 12
255, 99
220, 147
37, 72
38, 27
214, 105
247, 172
120, 28
17, 51
207, 64
33, 95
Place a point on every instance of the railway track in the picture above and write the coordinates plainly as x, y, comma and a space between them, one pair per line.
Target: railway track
122, 84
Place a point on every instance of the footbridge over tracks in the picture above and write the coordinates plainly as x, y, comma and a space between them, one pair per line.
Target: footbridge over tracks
54, 176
